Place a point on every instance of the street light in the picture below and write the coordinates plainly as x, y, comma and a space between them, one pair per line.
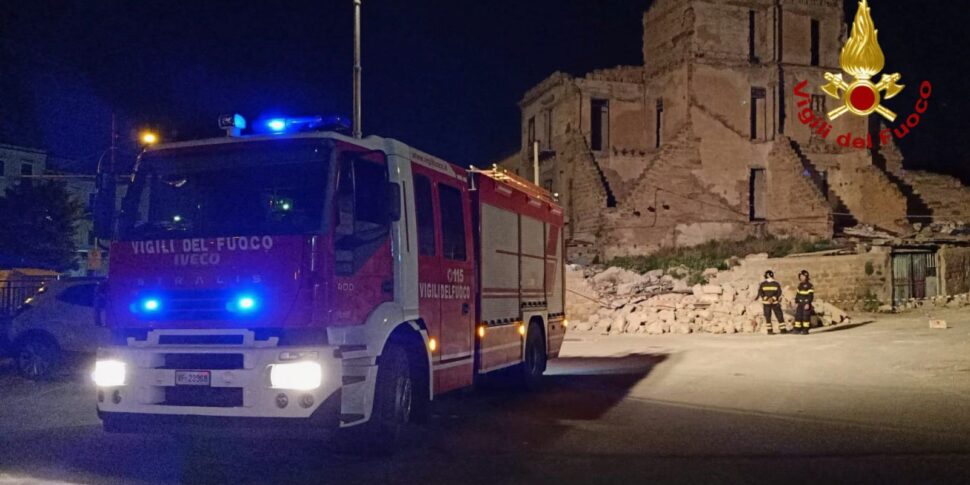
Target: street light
149, 138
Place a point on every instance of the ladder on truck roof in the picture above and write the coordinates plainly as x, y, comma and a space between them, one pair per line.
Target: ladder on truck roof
500, 174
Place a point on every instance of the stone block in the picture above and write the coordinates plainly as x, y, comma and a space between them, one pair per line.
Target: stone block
625, 289
710, 299
680, 286
712, 289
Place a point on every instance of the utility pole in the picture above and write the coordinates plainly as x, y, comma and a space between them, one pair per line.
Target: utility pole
357, 131
535, 162
105, 200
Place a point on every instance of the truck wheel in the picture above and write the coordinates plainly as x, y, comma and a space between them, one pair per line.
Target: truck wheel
534, 364
394, 402
38, 357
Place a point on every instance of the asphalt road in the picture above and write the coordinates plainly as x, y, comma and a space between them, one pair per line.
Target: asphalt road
887, 401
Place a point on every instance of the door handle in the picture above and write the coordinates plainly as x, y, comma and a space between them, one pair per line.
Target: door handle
465, 308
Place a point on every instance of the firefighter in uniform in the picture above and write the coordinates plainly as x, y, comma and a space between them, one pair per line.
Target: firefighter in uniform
803, 303
770, 293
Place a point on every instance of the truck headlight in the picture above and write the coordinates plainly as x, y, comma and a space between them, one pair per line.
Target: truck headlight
109, 373
297, 376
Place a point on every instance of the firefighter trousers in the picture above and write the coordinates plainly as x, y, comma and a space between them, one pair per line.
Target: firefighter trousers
776, 309
803, 315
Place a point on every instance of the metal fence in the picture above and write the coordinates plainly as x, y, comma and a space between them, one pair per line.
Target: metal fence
14, 293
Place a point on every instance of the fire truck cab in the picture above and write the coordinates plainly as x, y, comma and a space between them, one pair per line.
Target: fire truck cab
313, 281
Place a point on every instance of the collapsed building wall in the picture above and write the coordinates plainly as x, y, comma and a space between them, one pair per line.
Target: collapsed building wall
668, 206
712, 114
938, 196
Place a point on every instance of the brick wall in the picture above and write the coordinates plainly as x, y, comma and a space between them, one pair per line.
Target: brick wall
586, 200
870, 196
955, 262
836, 278
669, 206
946, 198
796, 206
666, 34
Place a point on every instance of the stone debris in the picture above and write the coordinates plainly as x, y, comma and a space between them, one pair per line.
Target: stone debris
946, 228
614, 301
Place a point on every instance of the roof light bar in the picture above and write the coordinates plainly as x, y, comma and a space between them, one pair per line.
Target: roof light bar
233, 124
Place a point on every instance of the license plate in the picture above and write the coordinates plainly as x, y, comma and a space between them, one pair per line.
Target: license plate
193, 378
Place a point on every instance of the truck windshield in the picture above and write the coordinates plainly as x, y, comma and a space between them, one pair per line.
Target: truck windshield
240, 188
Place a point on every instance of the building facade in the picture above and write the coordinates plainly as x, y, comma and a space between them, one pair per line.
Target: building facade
703, 141
17, 162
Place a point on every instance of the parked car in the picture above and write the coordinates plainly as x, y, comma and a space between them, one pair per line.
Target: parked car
55, 323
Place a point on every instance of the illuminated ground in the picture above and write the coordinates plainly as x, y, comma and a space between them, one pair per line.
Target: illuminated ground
885, 401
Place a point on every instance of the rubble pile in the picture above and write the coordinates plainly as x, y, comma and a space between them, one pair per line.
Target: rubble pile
621, 301
947, 228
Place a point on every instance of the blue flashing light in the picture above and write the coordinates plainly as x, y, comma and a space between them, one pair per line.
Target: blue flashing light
292, 124
243, 304
277, 125
151, 305
232, 121
238, 121
246, 303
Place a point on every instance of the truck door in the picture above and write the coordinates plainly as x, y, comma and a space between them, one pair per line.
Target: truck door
445, 274
457, 312
429, 266
362, 246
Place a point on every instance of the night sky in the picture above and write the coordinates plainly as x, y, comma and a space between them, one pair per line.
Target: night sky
444, 76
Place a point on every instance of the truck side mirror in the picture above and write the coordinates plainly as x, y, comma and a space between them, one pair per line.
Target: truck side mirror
393, 196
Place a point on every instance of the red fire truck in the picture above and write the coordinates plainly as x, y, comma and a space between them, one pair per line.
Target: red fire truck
303, 279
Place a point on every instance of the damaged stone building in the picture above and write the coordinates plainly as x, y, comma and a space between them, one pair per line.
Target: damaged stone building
703, 141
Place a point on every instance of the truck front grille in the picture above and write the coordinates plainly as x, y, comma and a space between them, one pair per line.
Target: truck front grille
216, 397
203, 361
195, 305
201, 340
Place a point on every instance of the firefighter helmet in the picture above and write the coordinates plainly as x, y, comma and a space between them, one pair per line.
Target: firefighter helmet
769, 274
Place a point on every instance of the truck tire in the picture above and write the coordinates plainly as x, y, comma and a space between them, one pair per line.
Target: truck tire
534, 363
394, 403
38, 357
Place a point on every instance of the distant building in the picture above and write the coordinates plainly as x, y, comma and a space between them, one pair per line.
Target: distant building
703, 140
15, 162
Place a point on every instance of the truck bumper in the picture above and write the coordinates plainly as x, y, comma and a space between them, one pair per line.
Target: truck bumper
239, 394
322, 424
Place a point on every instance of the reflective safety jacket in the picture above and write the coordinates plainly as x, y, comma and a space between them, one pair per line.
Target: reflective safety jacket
770, 292
805, 293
